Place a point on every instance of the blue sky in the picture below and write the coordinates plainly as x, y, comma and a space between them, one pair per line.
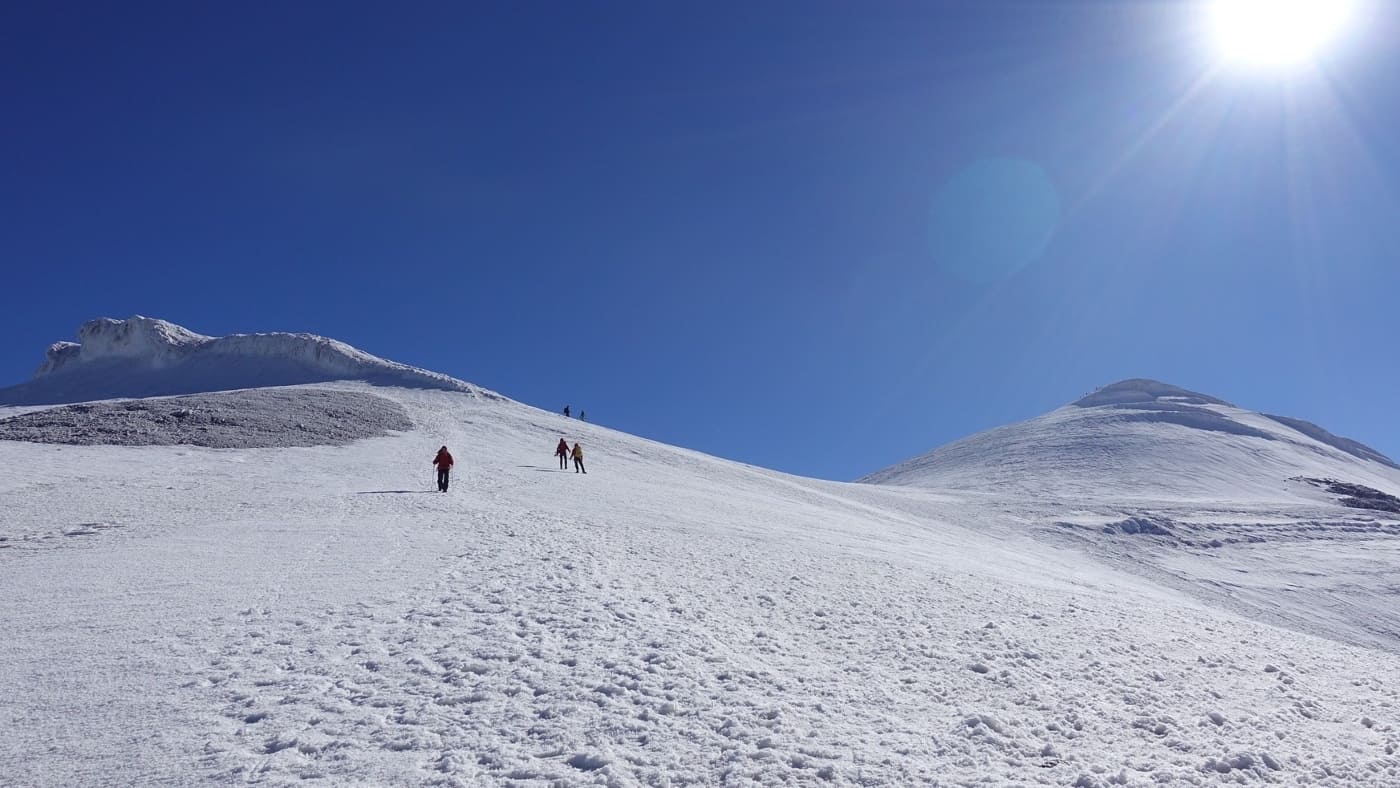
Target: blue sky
819, 237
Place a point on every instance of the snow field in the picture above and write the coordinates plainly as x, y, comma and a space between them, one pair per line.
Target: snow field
318, 615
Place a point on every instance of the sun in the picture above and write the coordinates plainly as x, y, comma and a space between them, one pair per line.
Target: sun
1278, 32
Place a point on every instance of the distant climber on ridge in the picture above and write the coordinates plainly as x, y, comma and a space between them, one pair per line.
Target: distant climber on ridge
443, 462
562, 452
566, 411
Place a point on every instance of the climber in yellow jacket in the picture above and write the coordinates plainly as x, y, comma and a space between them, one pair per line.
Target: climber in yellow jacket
578, 457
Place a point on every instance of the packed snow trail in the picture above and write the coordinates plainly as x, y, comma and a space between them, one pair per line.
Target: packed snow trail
178, 616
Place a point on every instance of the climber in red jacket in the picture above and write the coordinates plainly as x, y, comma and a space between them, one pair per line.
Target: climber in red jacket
443, 461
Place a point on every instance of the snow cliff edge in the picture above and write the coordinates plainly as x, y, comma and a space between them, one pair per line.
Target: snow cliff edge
143, 356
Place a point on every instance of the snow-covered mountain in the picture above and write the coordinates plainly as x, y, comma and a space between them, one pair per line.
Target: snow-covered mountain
1141, 439
246, 606
142, 357
1269, 516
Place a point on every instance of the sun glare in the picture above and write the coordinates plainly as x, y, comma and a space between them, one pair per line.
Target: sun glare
1278, 32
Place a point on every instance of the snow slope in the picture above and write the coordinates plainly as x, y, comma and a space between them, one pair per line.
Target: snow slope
1222, 503
182, 615
143, 357
1141, 439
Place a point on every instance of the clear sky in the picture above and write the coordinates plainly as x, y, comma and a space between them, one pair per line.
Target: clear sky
815, 236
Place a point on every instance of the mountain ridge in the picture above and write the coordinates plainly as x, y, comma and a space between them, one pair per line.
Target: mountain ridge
143, 357
1144, 437
1118, 423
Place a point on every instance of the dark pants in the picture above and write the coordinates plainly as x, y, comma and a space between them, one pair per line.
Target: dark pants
578, 465
563, 462
443, 473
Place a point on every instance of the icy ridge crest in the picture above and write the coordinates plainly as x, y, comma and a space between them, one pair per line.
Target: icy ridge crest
143, 356
155, 341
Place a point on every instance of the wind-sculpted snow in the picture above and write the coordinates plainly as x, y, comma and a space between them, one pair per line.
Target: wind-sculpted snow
1143, 439
1141, 390
1207, 420
253, 419
1354, 448
188, 616
143, 357
1358, 496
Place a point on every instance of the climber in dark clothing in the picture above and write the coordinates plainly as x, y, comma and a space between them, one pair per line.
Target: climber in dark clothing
443, 461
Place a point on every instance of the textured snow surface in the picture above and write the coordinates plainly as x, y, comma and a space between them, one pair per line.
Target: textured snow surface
143, 357
252, 419
1141, 439
1347, 445
1141, 390
178, 615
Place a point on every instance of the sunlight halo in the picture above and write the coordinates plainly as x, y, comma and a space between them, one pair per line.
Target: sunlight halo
1277, 33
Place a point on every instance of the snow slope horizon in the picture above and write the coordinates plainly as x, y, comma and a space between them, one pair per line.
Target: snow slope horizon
314, 613
144, 357
141, 357
1145, 439
181, 615
1242, 510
